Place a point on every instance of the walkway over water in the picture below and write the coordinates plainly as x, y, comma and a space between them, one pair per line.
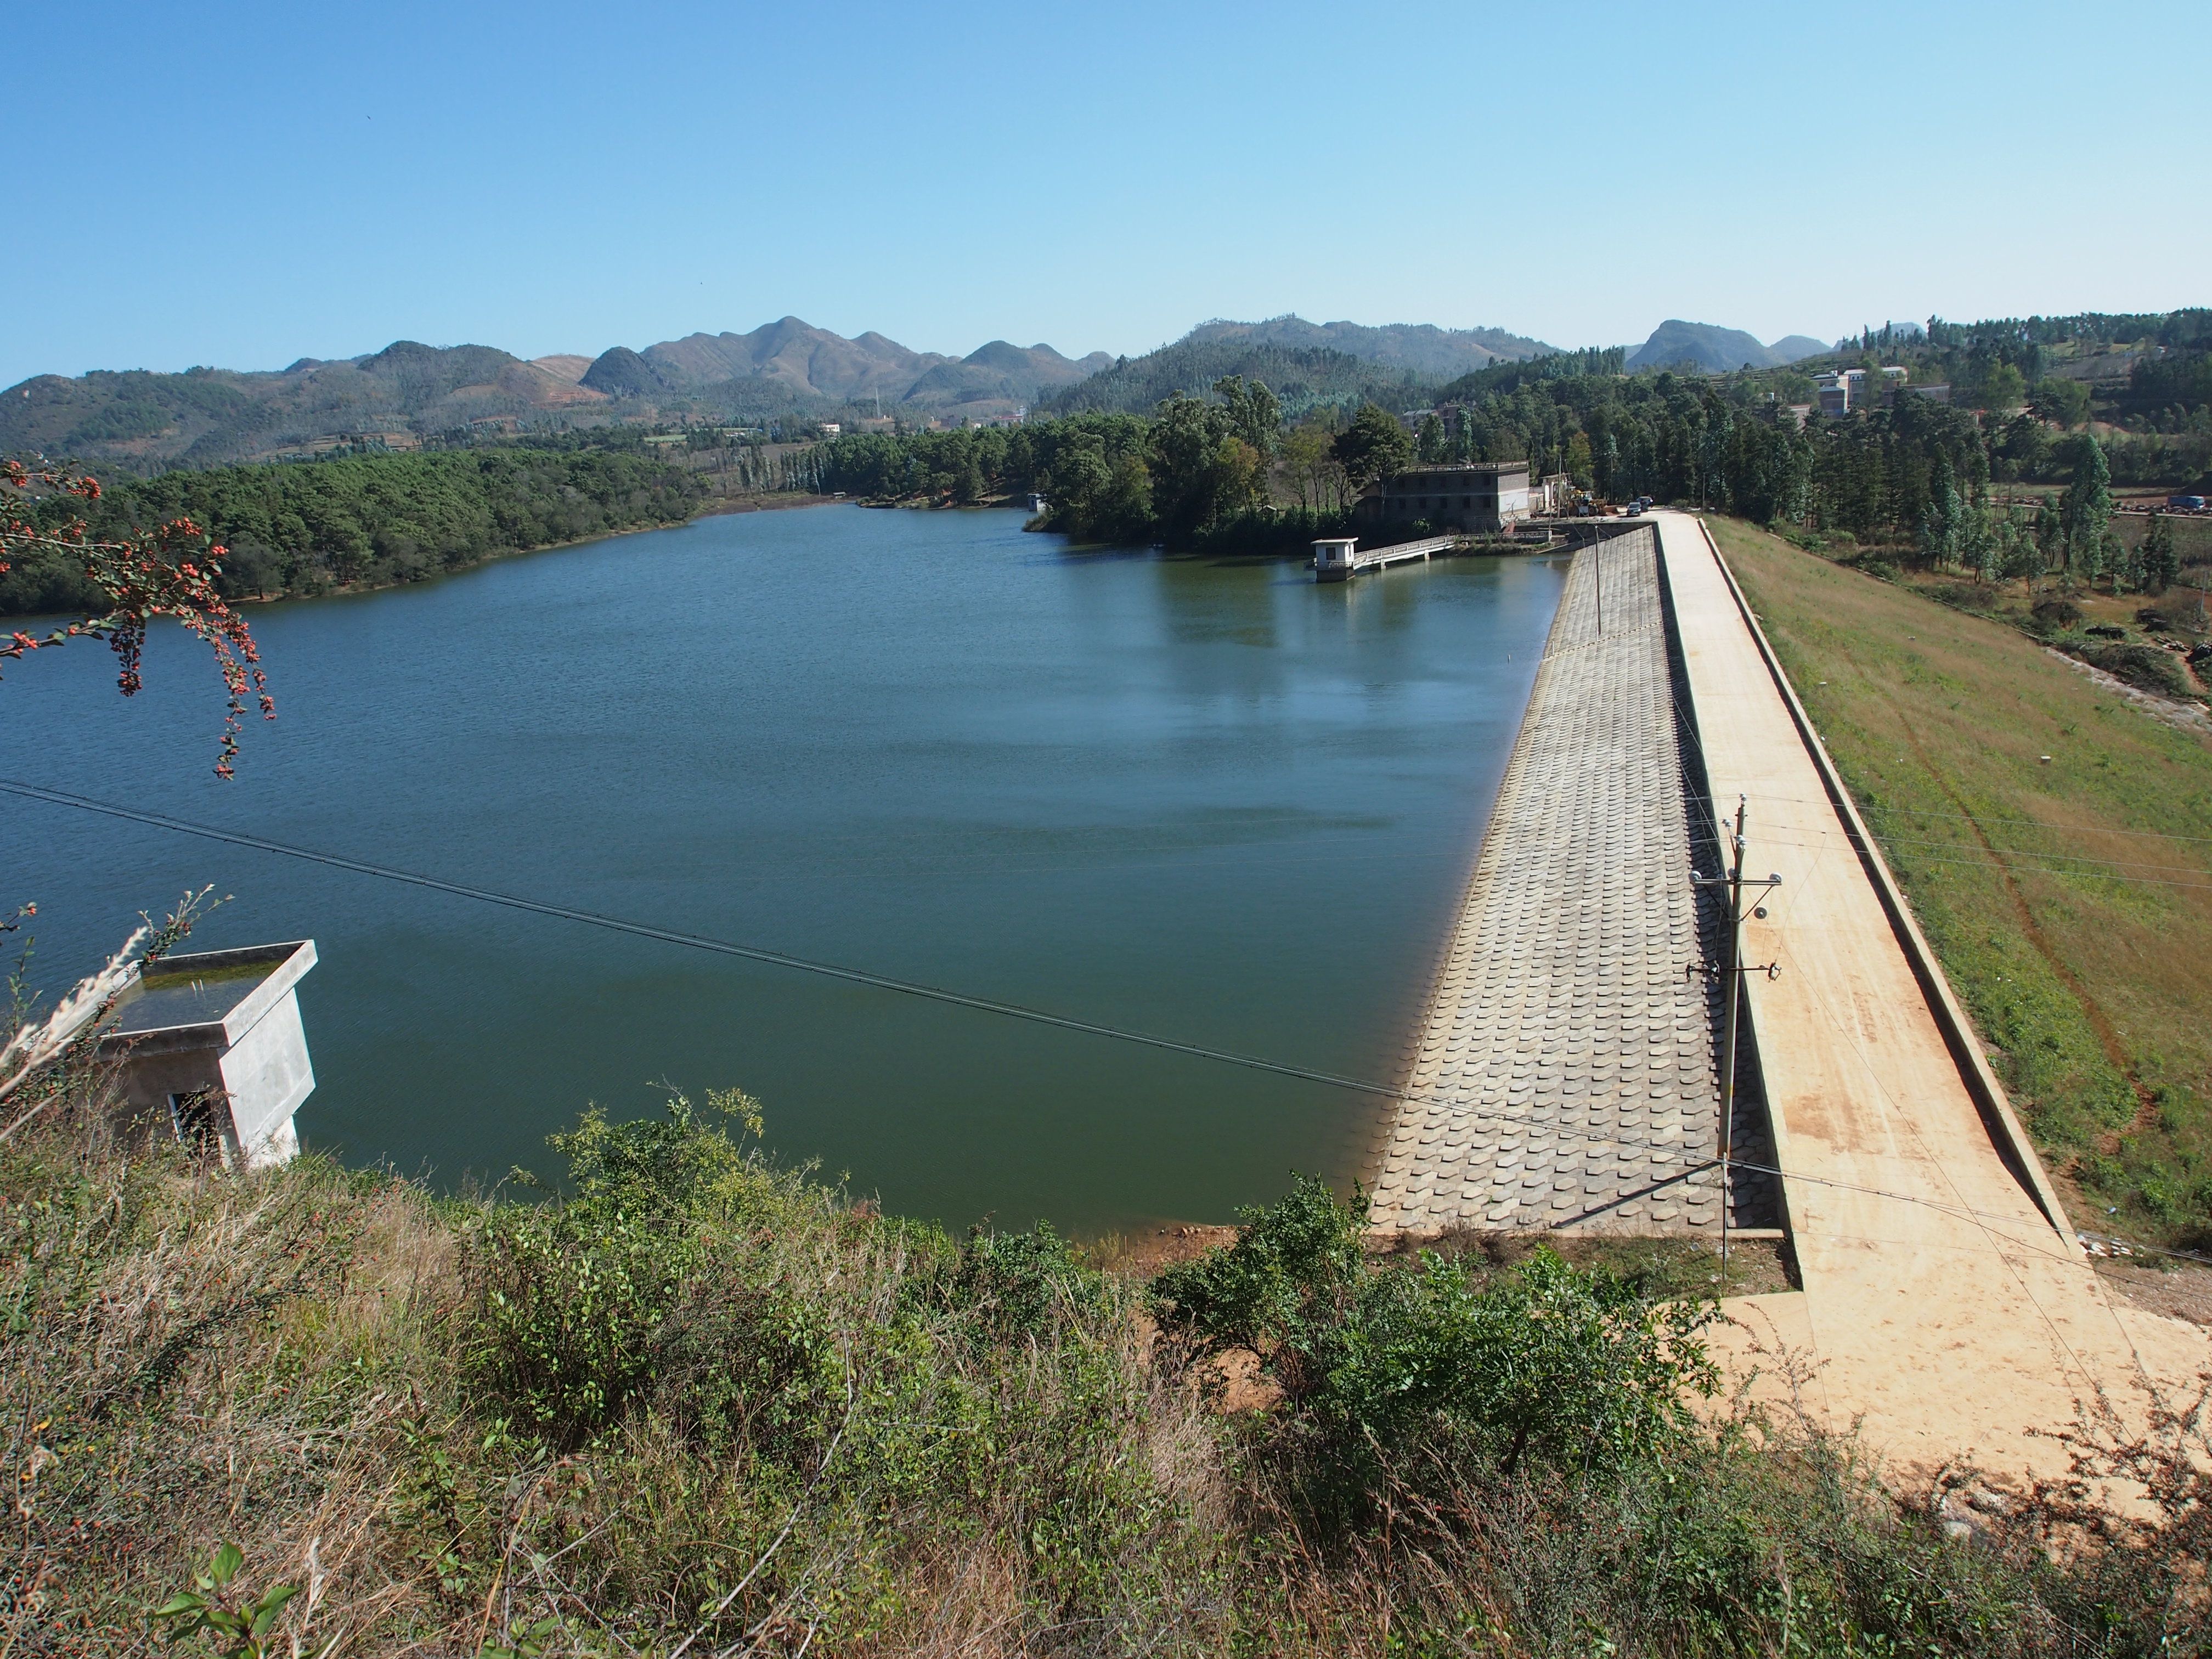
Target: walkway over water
1565, 1073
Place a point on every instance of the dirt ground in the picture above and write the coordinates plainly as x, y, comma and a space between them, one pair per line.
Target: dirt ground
2180, 1290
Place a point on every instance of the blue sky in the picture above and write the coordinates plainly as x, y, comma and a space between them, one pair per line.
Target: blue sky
241, 185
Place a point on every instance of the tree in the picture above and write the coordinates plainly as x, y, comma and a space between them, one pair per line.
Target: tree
1943, 520
2061, 401
168, 571
1255, 415
2087, 506
2003, 387
1579, 464
1374, 446
2160, 563
1313, 470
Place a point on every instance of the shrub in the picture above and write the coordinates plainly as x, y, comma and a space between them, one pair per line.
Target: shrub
1569, 1367
2146, 667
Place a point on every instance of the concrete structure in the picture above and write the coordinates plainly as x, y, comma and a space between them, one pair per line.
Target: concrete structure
1564, 1074
1341, 558
1946, 1303
212, 1049
1333, 556
1467, 496
1841, 390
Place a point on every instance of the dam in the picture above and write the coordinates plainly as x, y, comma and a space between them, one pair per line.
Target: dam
1566, 1072
1563, 1075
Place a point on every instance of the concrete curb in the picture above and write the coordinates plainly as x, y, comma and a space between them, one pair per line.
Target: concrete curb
1989, 1095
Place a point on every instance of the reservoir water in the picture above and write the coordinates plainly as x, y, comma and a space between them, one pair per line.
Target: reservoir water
1217, 802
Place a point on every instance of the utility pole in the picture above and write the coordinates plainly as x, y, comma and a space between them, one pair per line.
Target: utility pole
1730, 976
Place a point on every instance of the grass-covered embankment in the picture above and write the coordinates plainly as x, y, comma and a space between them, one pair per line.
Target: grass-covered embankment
2069, 899
702, 1405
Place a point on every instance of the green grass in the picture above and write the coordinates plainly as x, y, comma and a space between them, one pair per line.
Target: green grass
2070, 900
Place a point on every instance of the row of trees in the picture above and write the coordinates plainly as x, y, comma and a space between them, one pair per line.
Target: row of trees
1917, 479
362, 521
1197, 470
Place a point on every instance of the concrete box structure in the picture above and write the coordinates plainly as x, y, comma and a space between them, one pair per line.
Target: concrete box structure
211, 1045
1332, 558
1469, 495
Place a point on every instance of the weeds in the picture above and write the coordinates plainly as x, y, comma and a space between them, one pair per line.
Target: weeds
702, 1405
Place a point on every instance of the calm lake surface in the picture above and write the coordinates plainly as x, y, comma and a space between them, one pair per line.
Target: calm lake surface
1218, 803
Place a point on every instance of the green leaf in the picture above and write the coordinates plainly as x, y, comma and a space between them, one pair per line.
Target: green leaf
225, 1565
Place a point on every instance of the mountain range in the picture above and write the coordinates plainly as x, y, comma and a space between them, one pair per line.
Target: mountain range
792, 357
141, 421
1716, 351
1423, 348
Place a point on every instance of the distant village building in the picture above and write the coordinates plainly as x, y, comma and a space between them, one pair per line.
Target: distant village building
1938, 393
211, 1049
1467, 496
1842, 390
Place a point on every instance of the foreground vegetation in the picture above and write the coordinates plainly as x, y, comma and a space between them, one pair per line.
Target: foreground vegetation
2053, 840
702, 1405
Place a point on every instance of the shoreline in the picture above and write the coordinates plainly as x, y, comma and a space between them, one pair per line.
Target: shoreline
352, 590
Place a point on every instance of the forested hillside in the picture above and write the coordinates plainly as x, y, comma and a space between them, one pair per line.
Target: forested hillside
370, 520
1302, 377
1152, 450
1421, 347
139, 422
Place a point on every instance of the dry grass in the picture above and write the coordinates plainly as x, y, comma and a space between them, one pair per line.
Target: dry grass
295, 1361
2069, 897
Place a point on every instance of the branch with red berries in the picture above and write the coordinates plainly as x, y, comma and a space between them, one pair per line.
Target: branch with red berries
168, 571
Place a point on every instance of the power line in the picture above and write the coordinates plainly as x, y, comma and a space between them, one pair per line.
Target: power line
936, 993
695, 941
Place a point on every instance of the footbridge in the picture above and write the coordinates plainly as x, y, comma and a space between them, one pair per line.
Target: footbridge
1339, 558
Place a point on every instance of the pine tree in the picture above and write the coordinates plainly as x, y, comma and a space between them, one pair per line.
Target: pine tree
2088, 508
2160, 563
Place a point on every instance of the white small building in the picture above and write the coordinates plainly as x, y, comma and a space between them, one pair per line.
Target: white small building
211, 1049
1333, 556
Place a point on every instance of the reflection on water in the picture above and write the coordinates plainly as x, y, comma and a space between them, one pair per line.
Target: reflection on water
1220, 803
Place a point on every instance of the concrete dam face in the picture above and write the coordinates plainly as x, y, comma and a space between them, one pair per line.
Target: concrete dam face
1565, 1073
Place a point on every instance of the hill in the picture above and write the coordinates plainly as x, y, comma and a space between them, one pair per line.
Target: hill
1422, 348
1795, 348
1300, 378
1718, 350
136, 420
792, 358
144, 422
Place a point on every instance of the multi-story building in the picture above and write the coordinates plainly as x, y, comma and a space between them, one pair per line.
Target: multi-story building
1842, 390
1464, 495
